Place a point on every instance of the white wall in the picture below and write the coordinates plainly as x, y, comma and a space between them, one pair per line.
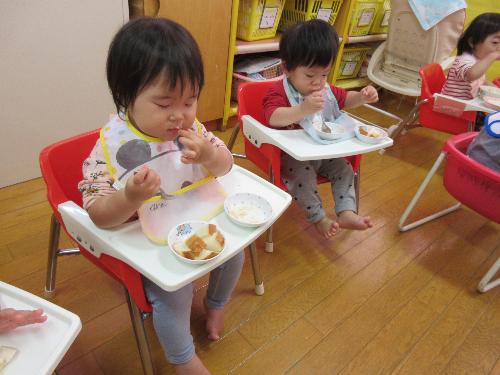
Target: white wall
52, 75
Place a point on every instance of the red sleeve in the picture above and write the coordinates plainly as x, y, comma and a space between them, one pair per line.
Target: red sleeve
275, 98
340, 94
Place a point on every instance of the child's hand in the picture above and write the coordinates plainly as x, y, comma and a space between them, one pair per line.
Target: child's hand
369, 94
313, 103
197, 149
143, 185
12, 318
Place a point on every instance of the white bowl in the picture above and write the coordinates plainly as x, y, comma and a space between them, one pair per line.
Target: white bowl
247, 209
492, 102
373, 133
182, 232
337, 130
489, 91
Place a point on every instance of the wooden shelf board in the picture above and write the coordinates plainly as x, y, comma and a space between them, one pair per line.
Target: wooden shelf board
351, 83
264, 45
366, 38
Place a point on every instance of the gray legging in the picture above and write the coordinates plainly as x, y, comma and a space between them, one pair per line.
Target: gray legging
172, 310
300, 178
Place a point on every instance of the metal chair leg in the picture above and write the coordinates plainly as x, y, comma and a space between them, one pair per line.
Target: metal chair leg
140, 335
357, 181
55, 230
259, 284
232, 139
486, 284
269, 247
416, 197
54, 252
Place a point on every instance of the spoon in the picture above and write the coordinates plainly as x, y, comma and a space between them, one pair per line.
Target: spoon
324, 127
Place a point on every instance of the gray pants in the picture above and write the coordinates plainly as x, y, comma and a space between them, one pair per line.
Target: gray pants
300, 178
172, 310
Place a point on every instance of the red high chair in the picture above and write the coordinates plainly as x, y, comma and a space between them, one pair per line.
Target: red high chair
267, 157
433, 79
468, 181
61, 167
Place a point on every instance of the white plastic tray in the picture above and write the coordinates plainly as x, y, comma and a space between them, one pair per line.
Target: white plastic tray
476, 104
300, 146
156, 262
40, 346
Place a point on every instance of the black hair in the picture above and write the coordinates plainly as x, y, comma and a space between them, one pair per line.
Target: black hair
309, 43
145, 48
479, 29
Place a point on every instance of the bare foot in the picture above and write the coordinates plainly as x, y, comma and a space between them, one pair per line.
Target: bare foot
193, 367
351, 220
327, 227
215, 322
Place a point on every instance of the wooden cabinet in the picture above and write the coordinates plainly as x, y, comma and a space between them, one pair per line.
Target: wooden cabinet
209, 22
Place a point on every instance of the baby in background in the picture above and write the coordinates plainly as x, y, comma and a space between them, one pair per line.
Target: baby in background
308, 50
478, 48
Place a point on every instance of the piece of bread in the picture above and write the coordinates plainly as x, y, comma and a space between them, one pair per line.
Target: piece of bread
206, 243
6, 355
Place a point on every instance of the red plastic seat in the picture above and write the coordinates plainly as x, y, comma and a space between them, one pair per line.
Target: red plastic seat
471, 183
61, 167
433, 79
250, 96
267, 157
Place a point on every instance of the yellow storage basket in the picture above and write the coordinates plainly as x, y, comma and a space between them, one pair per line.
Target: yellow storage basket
303, 10
351, 61
363, 16
258, 19
381, 21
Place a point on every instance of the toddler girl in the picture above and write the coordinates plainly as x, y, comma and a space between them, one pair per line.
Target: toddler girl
308, 50
155, 74
477, 49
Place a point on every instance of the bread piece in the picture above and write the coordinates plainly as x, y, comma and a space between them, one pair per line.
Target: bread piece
6, 355
212, 228
213, 244
195, 244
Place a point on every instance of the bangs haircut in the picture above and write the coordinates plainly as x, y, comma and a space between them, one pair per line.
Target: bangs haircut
310, 43
148, 48
479, 29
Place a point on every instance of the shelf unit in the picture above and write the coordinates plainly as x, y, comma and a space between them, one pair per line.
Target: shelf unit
240, 47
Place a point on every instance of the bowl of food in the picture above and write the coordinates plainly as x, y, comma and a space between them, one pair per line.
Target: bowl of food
196, 242
329, 130
489, 91
247, 209
370, 134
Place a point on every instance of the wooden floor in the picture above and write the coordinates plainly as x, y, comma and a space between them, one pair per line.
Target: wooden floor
373, 302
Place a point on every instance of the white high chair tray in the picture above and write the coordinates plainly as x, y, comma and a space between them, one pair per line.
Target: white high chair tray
40, 347
476, 104
156, 262
300, 146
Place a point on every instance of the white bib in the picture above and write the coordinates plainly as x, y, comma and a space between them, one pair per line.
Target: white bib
187, 192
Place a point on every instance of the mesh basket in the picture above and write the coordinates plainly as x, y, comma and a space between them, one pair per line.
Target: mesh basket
258, 19
271, 72
352, 59
381, 21
363, 16
303, 10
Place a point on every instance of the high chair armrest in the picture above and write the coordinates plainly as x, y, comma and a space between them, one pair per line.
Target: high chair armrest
378, 110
